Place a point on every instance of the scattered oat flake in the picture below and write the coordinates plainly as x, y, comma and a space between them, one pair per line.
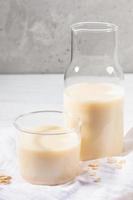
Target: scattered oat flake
6, 182
94, 165
5, 179
121, 161
118, 166
83, 170
111, 160
92, 173
94, 168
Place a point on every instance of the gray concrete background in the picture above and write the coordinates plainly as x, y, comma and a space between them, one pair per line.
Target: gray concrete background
35, 35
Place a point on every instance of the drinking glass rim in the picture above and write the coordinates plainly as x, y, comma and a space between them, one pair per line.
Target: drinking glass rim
109, 27
55, 132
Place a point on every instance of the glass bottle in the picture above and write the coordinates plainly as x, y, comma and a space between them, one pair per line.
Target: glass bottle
93, 88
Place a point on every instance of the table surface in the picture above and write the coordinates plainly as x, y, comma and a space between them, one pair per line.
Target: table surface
24, 93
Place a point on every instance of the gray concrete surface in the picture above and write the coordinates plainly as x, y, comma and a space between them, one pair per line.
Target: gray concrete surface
35, 35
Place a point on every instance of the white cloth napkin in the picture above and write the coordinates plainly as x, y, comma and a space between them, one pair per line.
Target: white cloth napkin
115, 184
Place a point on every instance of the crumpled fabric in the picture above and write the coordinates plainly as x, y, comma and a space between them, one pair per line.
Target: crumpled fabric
115, 184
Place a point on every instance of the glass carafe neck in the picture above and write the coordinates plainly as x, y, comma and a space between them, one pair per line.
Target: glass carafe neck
94, 54
94, 42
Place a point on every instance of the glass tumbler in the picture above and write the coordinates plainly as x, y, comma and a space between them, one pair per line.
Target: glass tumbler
48, 151
94, 90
